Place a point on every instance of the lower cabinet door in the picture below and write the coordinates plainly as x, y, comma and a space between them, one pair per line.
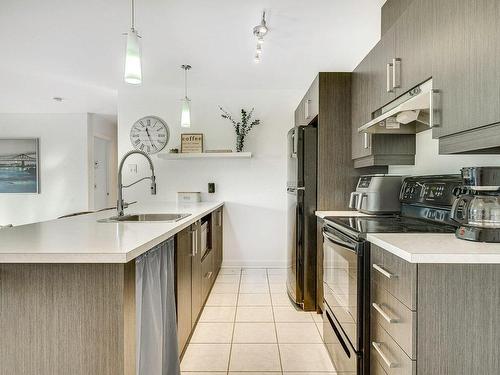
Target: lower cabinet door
183, 274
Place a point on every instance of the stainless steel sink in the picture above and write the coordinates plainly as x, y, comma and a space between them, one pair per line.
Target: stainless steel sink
166, 218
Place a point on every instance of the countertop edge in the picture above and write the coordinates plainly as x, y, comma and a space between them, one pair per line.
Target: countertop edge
99, 258
435, 258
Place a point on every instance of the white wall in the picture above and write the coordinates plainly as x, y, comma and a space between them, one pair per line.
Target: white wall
428, 160
253, 189
63, 166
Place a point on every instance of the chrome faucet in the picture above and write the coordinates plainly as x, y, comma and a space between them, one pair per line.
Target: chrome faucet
121, 204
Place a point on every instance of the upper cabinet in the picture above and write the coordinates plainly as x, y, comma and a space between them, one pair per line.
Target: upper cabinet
308, 108
466, 71
413, 45
454, 42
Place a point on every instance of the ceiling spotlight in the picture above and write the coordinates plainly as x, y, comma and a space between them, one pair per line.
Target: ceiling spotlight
260, 30
57, 99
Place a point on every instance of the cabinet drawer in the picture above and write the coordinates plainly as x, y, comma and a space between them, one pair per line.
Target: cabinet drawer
388, 354
399, 321
395, 275
207, 274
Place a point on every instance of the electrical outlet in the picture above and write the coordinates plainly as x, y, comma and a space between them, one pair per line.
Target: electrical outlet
211, 187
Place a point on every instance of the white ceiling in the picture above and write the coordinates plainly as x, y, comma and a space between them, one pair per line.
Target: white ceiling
74, 48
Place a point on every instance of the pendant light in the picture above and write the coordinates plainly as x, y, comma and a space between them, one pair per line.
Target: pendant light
133, 69
186, 106
260, 31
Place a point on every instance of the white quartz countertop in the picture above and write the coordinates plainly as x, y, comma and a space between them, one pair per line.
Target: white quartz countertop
81, 239
323, 214
436, 248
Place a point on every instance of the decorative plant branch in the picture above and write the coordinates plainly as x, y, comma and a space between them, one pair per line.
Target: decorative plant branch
243, 127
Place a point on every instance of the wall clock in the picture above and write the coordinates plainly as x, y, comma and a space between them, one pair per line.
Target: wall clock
149, 134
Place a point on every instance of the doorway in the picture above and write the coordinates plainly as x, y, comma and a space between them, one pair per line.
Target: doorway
101, 166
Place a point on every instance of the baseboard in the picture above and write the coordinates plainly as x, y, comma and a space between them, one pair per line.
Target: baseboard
255, 264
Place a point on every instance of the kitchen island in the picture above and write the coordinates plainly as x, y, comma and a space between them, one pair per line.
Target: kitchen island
68, 290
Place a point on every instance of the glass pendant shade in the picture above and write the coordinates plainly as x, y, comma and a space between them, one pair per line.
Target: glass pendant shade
133, 69
186, 113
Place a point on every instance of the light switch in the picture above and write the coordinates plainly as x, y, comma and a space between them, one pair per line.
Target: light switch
132, 168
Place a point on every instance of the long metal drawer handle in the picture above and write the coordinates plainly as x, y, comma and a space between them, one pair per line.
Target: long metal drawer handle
383, 313
377, 347
384, 272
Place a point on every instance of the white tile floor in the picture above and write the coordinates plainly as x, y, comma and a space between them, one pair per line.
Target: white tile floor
249, 326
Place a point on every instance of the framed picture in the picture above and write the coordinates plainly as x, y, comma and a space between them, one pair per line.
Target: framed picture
19, 166
191, 142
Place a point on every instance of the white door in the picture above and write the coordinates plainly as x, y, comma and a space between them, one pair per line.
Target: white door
101, 189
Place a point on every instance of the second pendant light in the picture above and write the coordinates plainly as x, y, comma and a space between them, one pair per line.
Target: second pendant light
186, 102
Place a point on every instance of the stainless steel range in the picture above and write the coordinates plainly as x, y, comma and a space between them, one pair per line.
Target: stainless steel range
425, 208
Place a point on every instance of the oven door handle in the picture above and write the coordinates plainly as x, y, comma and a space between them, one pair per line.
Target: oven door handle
339, 241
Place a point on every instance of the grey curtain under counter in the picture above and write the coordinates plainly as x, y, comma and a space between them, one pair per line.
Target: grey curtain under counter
157, 350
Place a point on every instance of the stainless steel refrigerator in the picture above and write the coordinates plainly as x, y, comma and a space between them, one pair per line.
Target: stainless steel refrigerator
301, 198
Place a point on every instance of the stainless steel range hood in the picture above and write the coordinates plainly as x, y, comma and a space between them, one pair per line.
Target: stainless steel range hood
413, 112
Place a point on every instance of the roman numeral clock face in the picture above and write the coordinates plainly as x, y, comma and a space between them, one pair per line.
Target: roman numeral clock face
149, 134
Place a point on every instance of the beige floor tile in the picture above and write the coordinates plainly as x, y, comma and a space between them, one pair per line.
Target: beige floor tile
254, 314
253, 271
255, 373
303, 333
281, 299
254, 333
217, 314
254, 357
285, 314
206, 357
310, 373
218, 299
277, 279
305, 357
202, 373
277, 287
260, 299
230, 271
318, 318
213, 333
320, 329
254, 288
255, 279
228, 279
277, 271
225, 288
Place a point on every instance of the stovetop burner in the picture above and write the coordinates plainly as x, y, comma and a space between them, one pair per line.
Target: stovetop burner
389, 224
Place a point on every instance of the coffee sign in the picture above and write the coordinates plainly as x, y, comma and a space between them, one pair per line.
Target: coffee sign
191, 143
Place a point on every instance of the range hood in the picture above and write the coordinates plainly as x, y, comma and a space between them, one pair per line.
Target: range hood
413, 112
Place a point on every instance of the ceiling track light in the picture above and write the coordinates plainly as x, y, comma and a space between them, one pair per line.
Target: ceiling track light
260, 31
186, 102
133, 68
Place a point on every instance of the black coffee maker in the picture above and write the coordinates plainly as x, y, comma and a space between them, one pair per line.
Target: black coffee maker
477, 206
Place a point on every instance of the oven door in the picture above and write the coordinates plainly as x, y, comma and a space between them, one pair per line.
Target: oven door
342, 282
344, 358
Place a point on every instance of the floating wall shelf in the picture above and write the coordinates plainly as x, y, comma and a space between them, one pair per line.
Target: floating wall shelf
206, 155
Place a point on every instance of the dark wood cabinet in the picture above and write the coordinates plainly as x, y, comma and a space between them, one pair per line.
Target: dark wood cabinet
217, 218
308, 108
413, 44
391, 11
196, 278
183, 286
466, 69
380, 86
208, 274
